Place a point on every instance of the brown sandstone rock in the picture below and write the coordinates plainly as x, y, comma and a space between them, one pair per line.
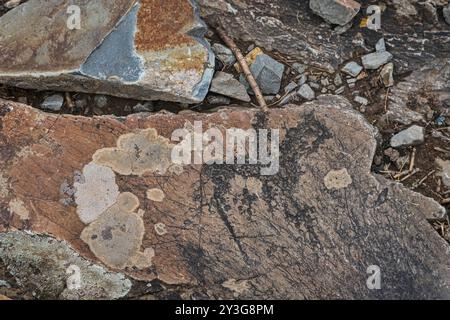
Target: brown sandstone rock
224, 231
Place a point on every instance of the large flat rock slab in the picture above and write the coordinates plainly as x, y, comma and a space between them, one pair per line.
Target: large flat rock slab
108, 188
142, 49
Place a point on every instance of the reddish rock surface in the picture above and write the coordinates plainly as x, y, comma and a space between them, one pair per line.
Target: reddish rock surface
224, 231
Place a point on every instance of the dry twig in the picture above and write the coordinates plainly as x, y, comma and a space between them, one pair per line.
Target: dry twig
420, 182
244, 67
413, 160
410, 175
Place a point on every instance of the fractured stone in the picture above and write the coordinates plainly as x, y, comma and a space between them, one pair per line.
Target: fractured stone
338, 12
141, 49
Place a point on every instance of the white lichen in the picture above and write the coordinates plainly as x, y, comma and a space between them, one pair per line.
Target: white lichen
96, 192
116, 236
160, 228
155, 194
337, 179
137, 154
17, 207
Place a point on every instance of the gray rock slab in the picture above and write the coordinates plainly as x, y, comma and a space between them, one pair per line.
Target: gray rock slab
53, 102
412, 136
409, 99
375, 60
306, 92
268, 74
224, 54
352, 68
446, 12
338, 12
225, 84
292, 29
125, 48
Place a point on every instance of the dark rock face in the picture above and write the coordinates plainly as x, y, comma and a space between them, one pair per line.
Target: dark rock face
410, 99
291, 28
311, 230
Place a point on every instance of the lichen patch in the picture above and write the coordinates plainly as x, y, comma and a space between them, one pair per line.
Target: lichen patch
160, 228
337, 179
95, 192
155, 194
4, 188
17, 207
116, 236
137, 154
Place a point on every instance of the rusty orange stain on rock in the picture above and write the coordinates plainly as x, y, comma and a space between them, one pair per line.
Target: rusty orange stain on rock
30, 45
161, 24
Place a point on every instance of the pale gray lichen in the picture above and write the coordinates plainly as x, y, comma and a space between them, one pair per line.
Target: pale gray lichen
137, 154
39, 265
160, 228
337, 179
96, 192
116, 236
155, 194
4, 188
17, 207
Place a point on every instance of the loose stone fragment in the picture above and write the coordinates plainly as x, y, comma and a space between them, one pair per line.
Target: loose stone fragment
306, 92
375, 60
224, 54
338, 12
361, 100
352, 69
225, 84
444, 172
381, 45
414, 135
268, 74
53, 103
387, 75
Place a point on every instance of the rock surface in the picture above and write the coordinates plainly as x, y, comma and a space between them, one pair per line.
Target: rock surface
306, 92
291, 28
226, 85
387, 75
446, 12
45, 266
352, 68
338, 12
224, 54
409, 99
412, 136
268, 74
53, 103
199, 229
135, 48
444, 172
373, 61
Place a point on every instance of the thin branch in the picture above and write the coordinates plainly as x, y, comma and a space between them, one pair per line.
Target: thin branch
244, 67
